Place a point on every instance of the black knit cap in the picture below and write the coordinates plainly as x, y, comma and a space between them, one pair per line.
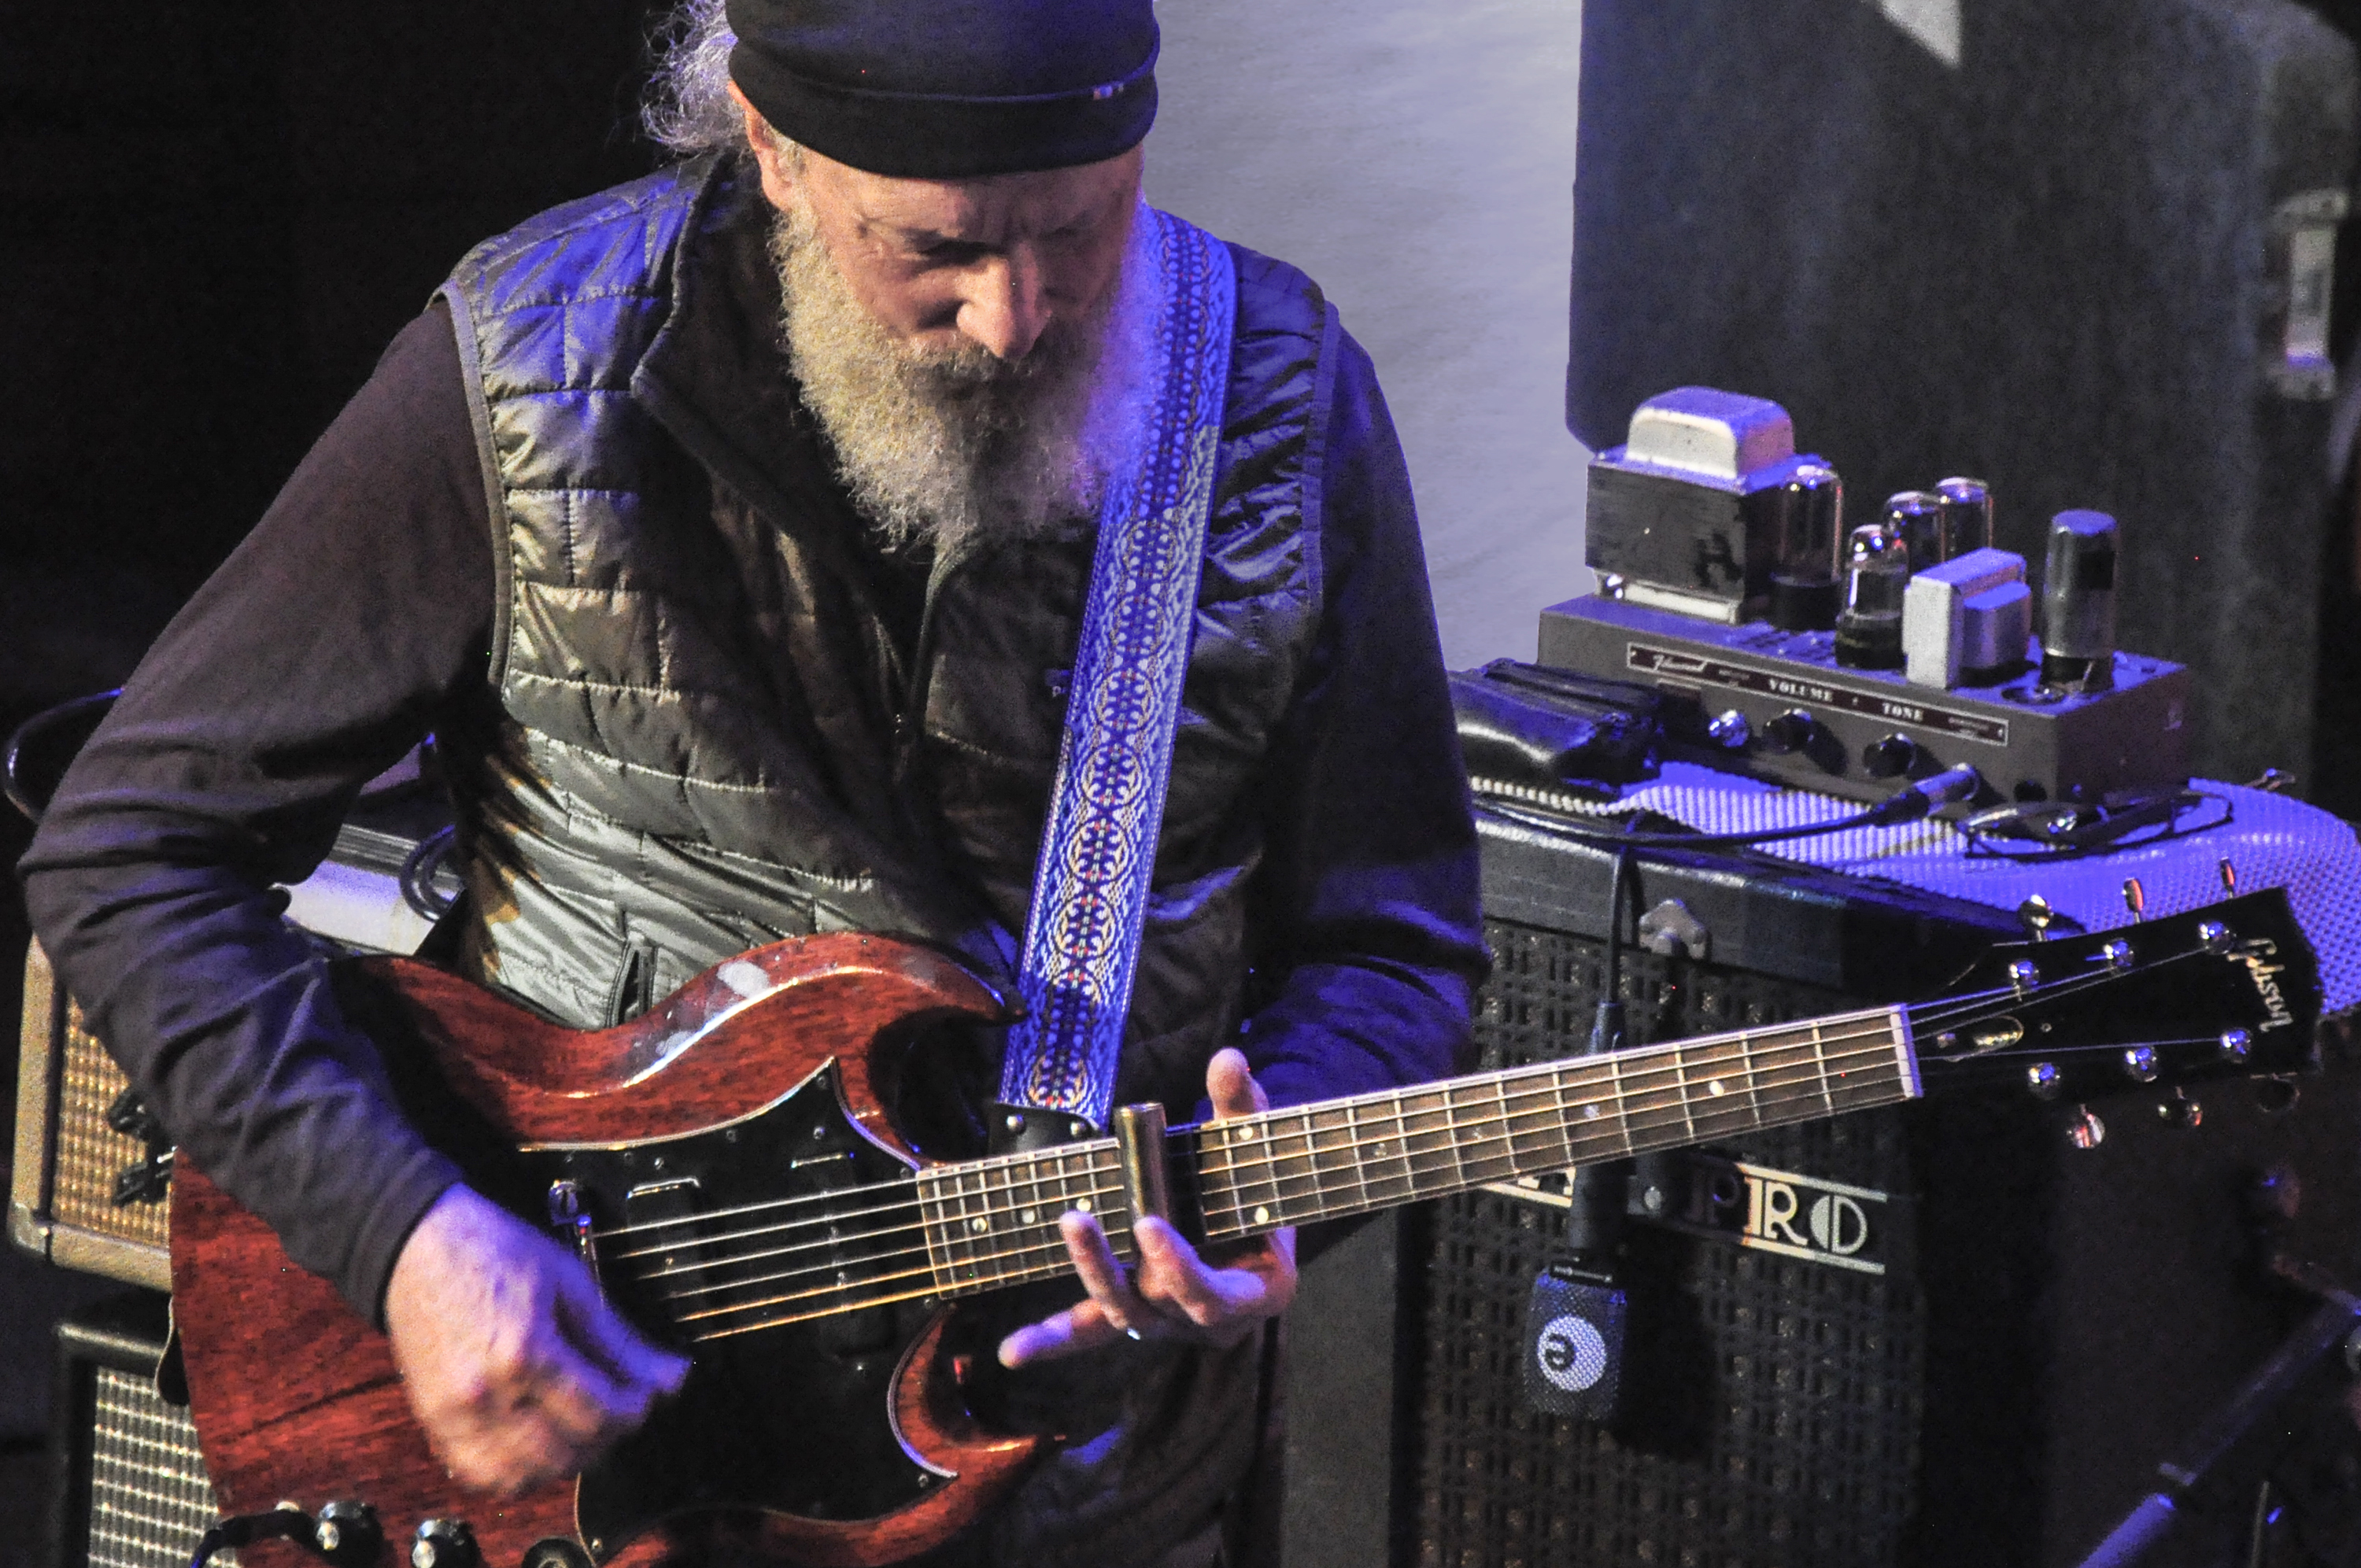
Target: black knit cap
950, 89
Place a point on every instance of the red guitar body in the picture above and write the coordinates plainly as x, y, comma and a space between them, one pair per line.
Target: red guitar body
836, 1440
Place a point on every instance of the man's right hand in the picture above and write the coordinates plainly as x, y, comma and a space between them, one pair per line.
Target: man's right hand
517, 1368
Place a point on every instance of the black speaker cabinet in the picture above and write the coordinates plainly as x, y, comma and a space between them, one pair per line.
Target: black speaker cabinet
129, 1484
2082, 251
2036, 1325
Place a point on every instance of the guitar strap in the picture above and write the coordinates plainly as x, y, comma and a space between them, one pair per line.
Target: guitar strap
1106, 807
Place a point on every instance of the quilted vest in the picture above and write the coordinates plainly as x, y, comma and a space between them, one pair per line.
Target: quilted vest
708, 737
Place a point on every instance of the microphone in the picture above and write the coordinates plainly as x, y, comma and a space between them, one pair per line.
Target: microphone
1574, 1316
1574, 1342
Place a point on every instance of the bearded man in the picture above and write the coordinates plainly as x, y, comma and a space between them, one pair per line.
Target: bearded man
731, 530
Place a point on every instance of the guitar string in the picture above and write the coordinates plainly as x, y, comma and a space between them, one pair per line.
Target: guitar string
1498, 1109
1095, 1148
995, 1257
1244, 1173
1335, 1152
1047, 1256
1052, 1260
1103, 1155
1950, 1010
1096, 1172
1051, 1250
922, 1226
1928, 1015
1495, 1109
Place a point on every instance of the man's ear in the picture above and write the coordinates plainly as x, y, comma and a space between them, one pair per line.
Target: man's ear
777, 166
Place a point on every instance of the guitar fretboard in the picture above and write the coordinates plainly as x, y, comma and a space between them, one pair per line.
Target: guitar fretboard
995, 1222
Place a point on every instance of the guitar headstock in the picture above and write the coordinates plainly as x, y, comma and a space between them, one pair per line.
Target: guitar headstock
2228, 990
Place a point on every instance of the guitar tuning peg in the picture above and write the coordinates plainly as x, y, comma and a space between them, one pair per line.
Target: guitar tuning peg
2036, 915
2084, 1130
2180, 1111
2229, 876
2136, 898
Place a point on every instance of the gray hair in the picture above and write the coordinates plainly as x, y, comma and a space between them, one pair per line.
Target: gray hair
688, 109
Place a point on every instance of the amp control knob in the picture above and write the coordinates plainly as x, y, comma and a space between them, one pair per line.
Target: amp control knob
1730, 730
1890, 758
1790, 731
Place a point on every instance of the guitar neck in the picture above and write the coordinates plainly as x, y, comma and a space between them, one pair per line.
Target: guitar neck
993, 1222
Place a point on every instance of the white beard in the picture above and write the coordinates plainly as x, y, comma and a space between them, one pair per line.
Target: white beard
955, 447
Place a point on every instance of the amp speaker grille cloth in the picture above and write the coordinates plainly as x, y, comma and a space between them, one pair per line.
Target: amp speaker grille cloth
90, 1153
1781, 1401
149, 1499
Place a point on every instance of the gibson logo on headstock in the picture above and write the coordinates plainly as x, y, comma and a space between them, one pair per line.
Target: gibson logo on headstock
2255, 953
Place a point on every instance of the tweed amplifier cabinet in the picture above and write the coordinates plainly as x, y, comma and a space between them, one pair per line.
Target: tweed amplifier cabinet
70, 1162
130, 1486
1977, 1360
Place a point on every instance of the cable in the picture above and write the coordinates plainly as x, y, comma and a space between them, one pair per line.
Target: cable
426, 901
12, 756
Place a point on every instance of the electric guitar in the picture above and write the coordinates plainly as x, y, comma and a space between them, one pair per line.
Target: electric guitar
728, 1167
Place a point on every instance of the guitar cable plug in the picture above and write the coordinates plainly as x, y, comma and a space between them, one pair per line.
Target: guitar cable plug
1952, 784
344, 1534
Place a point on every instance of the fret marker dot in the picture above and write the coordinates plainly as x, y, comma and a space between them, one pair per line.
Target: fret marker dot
1245, 1134
1590, 1113
1262, 1216
1027, 1216
979, 1223
1083, 1204
1713, 1086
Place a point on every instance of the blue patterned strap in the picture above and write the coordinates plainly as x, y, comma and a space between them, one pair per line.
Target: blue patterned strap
1091, 885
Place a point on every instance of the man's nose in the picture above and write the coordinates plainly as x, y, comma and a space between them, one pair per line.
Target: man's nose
1005, 306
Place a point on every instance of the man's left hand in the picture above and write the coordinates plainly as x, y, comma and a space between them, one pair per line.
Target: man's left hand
1175, 1294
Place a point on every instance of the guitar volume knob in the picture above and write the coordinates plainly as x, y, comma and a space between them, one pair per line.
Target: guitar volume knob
445, 1544
348, 1534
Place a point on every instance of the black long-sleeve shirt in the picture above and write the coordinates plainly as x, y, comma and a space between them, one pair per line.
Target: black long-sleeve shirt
358, 616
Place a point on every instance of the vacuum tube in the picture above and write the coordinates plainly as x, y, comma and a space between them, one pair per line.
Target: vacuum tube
1917, 518
2077, 602
1877, 570
1804, 582
1966, 505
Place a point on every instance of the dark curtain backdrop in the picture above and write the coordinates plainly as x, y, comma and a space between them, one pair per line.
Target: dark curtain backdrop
213, 216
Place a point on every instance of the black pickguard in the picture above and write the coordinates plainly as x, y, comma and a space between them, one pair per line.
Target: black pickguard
793, 1417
